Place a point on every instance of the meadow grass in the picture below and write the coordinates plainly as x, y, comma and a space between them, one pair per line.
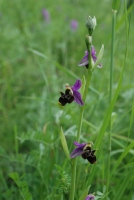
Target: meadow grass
37, 59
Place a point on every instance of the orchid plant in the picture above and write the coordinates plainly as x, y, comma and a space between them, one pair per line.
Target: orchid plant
72, 94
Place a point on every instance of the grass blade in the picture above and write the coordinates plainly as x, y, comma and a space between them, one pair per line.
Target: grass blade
126, 151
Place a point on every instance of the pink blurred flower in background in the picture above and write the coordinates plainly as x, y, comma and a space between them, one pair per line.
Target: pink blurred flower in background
74, 25
46, 15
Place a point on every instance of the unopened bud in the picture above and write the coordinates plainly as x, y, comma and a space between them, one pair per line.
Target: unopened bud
91, 24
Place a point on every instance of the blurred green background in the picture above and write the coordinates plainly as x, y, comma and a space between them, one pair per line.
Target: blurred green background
37, 58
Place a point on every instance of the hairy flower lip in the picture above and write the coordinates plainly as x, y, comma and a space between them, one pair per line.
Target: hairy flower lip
85, 151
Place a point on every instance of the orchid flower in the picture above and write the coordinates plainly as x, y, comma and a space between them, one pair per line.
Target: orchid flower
71, 94
85, 59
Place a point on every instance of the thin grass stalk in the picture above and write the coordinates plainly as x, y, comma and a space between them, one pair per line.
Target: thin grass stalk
16, 141
110, 97
131, 122
109, 111
61, 197
111, 82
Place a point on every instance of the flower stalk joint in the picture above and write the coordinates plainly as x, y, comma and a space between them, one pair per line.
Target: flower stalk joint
88, 42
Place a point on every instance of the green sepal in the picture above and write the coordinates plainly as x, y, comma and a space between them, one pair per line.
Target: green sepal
99, 57
64, 144
83, 85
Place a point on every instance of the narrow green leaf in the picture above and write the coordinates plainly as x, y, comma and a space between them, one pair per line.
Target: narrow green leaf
64, 144
38, 53
84, 193
115, 5
90, 124
106, 119
15, 177
126, 151
131, 120
58, 167
128, 165
119, 143
126, 139
109, 112
22, 185
124, 184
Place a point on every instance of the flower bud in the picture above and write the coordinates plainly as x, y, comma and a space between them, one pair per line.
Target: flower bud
90, 24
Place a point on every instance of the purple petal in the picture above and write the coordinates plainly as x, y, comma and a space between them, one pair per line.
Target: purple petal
76, 152
93, 53
90, 197
79, 145
77, 97
84, 60
77, 85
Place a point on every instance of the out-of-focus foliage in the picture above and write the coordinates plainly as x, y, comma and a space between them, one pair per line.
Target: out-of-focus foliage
37, 58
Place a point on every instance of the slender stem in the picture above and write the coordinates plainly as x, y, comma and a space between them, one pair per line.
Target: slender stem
74, 162
89, 75
112, 55
110, 99
16, 140
61, 197
80, 123
73, 178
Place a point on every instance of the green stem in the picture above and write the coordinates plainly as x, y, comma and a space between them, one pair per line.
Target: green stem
16, 141
74, 162
110, 99
112, 54
88, 79
73, 178
61, 197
